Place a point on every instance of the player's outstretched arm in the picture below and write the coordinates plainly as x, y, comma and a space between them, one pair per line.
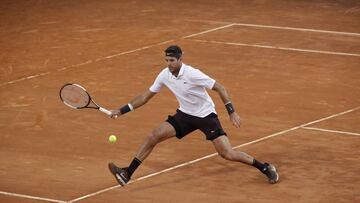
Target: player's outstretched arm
234, 117
138, 101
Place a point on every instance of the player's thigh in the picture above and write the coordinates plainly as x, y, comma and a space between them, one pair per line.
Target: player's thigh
164, 131
222, 144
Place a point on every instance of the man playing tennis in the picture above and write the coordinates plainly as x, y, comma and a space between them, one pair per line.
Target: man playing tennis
196, 111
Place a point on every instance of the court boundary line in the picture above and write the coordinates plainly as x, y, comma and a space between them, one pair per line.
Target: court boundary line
276, 47
185, 37
207, 31
214, 154
299, 29
279, 27
31, 197
302, 126
110, 56
331, 131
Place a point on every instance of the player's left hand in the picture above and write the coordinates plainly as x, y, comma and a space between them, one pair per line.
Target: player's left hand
235, 119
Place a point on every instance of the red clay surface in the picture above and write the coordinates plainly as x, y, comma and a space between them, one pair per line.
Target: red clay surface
115, 49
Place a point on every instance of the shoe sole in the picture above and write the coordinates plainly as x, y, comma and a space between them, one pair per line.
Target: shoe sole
112, 168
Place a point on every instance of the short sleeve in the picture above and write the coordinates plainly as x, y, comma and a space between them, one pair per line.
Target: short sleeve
158, 84
201, 79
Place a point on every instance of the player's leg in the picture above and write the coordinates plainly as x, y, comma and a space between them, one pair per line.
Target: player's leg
177, 125
223, 147
159, 134
211, 127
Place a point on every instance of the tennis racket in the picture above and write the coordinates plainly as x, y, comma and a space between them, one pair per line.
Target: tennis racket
76, 97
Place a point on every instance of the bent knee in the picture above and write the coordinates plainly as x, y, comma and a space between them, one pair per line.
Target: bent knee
227, 154
153, 138
156, 136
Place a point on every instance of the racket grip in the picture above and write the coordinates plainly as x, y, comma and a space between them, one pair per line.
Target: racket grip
105, 111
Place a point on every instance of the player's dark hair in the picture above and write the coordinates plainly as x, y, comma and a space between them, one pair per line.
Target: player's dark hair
173, 51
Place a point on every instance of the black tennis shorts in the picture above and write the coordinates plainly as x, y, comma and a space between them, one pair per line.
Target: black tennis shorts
185, 124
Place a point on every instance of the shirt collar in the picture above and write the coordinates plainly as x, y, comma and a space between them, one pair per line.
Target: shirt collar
182, 69
181, 72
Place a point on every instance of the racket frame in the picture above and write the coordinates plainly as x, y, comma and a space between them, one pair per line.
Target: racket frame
89, 101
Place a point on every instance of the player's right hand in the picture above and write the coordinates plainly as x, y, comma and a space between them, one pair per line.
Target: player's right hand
115, 113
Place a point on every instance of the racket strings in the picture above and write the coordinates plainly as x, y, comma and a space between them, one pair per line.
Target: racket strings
74, 96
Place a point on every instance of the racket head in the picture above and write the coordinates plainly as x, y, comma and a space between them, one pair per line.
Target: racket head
74, 96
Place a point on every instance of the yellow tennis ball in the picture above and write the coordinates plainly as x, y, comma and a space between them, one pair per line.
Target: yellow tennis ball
112, 138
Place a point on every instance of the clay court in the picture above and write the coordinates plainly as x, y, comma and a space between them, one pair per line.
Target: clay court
292, 69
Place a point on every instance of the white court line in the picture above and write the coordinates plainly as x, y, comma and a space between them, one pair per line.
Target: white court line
331, 131
192, 35
25, 78
207, 31
276, 47
112, 56
31, 197
215, 154
279, 27
299, 29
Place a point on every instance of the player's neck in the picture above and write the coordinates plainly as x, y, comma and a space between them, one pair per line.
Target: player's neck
177, 71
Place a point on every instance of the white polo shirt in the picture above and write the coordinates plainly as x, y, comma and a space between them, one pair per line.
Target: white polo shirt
189, 89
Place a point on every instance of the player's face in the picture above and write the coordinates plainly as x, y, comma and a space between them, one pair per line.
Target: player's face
173, 63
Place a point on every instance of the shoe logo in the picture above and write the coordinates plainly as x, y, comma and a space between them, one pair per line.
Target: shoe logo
122, 176
118, 177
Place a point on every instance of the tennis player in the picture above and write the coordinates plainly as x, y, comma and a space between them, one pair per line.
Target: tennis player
196, 112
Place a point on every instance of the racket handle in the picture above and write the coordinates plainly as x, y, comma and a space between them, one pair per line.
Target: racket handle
105, 111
